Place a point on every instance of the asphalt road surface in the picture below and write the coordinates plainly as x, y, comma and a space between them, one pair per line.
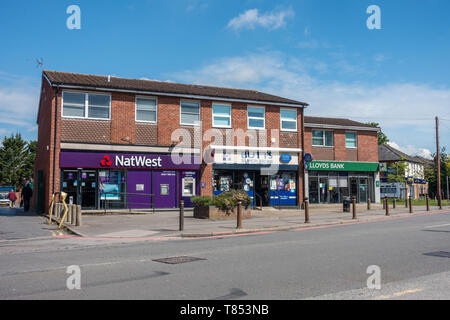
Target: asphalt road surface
413, 255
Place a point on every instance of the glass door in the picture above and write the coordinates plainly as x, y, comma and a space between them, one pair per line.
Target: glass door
88, 186
363, 190
323, 188
354, 188
313, 190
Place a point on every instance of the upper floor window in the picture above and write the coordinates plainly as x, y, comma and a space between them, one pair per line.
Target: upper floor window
146, 109
322, 138
350, 140
190, 113
221, 115
288, 118
256, 117
86, 105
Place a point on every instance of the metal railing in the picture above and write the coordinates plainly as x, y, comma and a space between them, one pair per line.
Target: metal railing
260, 201
129, 202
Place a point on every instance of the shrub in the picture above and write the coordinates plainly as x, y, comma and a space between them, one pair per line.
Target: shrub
201, 201
229, 200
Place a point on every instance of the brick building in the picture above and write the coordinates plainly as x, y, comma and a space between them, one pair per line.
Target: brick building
109, 141
345, 160
112, 141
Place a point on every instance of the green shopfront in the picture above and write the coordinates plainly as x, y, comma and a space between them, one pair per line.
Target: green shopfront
332, 181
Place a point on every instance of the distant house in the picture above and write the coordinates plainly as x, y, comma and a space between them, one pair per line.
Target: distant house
415, 183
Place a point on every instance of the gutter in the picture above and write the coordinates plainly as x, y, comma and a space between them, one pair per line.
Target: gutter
55, 139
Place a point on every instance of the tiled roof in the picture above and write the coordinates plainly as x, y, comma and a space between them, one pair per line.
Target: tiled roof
95, 81
386, 153
335, 122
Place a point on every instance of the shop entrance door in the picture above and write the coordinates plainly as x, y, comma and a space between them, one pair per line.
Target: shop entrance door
165, 189
88, 186
354, 188
262, 189
324, 196
363, 190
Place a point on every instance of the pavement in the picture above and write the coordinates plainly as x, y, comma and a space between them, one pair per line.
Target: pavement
166, 224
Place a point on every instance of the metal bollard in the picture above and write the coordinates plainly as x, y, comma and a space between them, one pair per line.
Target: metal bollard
410, 205
354, 207
306, 210
57, 210
386, 201
239, 215
368, 203
79, 222
74, 214
394, 203
427, 198
181, 215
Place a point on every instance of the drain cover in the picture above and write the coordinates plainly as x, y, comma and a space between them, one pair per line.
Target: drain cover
177, 260
442, 254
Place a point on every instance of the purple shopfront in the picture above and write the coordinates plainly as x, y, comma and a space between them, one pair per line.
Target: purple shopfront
96, 180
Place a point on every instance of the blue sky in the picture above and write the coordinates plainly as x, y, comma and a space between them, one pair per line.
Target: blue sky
320, 52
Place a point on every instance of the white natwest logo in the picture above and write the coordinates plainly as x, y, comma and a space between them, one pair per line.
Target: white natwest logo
136, 161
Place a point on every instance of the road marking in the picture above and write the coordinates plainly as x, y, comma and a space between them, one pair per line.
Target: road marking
438, 226
398, 294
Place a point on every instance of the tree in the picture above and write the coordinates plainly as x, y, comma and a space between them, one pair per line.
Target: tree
431, 173
16, 160
382, 138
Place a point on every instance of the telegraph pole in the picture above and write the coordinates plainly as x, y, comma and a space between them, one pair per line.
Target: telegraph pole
438, 154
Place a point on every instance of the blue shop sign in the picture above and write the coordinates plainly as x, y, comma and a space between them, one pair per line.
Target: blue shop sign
285, 158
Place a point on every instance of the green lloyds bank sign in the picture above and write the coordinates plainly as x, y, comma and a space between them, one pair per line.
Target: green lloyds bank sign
342, 166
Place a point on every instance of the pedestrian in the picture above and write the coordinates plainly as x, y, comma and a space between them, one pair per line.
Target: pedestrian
27, 193
12, 198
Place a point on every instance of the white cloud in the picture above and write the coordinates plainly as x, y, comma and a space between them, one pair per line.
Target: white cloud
405, 111
251, 19
18, 105
412, 150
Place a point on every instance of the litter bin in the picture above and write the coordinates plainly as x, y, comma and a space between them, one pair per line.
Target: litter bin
346, 204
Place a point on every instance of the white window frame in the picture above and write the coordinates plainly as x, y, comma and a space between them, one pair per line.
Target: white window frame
86, 105
222, 116
135, 109
356, 139
257, 118
290, 120
324, 139
199, 113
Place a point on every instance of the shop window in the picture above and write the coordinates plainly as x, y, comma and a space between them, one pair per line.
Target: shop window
221, 115
190, 113
256, 118
223, 180
146, 110
283, 182
350, 139
112, 188
288, 119
86, 105
322, 138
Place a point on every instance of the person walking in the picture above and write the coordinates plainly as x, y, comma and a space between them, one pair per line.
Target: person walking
12, 198
27, 193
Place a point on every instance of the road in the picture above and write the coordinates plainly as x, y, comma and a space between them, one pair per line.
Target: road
322, 263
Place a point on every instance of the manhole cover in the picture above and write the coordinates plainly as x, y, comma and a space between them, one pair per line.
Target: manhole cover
442, 254
177, 260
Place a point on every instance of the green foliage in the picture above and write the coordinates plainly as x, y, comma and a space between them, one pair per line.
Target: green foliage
431, 174
229, 200
16, 160
400, 171
382, 138
201, 201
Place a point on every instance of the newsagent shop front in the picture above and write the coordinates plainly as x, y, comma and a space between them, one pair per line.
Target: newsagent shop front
96, 180
270, 177
332, 181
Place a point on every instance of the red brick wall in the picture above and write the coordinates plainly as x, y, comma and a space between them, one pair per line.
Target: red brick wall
340, 152
368, 146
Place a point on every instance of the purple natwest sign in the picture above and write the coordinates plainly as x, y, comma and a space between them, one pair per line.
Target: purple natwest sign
111, 160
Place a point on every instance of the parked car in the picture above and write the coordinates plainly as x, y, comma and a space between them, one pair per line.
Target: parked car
4, 201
